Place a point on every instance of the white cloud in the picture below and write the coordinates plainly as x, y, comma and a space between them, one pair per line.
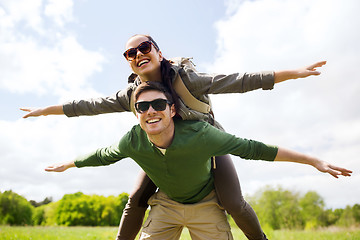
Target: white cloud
38, 57
41, 142
26, 12
318, 115
60, 11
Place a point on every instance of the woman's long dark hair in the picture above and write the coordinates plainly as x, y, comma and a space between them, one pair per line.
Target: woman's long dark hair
167, 74
167, 77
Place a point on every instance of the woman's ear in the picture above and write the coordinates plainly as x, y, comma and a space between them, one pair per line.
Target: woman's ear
160, 56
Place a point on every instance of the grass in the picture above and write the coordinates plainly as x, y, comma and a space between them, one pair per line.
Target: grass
54, 233
109, 233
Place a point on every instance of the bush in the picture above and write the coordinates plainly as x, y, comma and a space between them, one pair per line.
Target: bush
83, 210
15, 209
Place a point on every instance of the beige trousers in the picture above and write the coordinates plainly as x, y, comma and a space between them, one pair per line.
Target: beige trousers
205, 220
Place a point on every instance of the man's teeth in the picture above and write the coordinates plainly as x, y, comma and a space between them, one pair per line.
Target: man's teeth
153, 120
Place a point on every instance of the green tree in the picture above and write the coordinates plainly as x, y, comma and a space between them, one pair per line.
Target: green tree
50, 214
347, 218
15, 209
332, 216
278, 208
47, 200
38, 217
39, 213
356, 212
109, 215
312, 210
121, 201
79, 209
73, 210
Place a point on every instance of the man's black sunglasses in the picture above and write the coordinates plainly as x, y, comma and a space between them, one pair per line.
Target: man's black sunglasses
157, 104
144, 47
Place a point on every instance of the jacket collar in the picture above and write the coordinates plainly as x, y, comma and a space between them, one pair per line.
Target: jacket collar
134, 78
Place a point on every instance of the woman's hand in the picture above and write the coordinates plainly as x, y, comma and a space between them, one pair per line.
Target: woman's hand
33, 112
302, 72
36, 112
310, 70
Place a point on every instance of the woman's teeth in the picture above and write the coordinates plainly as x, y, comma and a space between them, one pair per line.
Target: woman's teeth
143, 62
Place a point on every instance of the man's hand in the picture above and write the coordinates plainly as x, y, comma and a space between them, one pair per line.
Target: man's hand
287, 155
60, 167
335, 171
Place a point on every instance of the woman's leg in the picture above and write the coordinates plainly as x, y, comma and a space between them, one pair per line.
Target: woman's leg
229, 193
135, 208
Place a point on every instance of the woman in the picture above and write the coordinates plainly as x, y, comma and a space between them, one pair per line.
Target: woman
148, 64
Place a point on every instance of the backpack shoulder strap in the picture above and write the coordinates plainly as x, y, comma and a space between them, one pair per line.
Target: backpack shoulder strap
182, 90
188, 98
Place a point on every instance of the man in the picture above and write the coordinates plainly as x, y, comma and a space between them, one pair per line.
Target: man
176, 155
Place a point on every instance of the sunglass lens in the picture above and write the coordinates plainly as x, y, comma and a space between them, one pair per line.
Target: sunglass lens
145, 47
159, 104
143, 106
131, 54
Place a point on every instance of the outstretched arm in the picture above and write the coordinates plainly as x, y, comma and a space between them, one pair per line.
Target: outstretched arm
286, 155
302, 72
118, 102
60, 167
100, 157
50, 110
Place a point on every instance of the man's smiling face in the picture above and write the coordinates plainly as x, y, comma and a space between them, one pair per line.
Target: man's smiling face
156, 122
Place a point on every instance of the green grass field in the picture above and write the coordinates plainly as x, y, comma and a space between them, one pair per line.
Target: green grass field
108, 233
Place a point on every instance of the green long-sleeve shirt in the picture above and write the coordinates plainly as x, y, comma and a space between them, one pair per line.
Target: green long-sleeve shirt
184, 171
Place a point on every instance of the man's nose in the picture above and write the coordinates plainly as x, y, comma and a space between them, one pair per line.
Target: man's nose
151, 110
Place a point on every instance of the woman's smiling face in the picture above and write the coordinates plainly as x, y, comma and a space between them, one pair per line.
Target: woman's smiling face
144, 64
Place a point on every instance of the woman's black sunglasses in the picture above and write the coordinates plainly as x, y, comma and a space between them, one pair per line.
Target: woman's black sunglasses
144, 47
157, 104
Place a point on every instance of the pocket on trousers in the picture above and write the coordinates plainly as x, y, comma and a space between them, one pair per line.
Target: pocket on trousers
145, 234
225, 227
147, 222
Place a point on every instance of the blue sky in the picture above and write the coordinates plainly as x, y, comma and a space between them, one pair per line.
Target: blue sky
55, 51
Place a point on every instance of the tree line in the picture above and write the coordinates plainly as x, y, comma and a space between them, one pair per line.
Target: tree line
76, 209
279, 208
276, 208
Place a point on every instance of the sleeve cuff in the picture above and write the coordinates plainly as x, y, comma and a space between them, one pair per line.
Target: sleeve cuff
69, 110
267, 80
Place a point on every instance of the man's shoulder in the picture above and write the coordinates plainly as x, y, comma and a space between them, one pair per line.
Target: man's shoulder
135, 131
134, 138
195, 125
